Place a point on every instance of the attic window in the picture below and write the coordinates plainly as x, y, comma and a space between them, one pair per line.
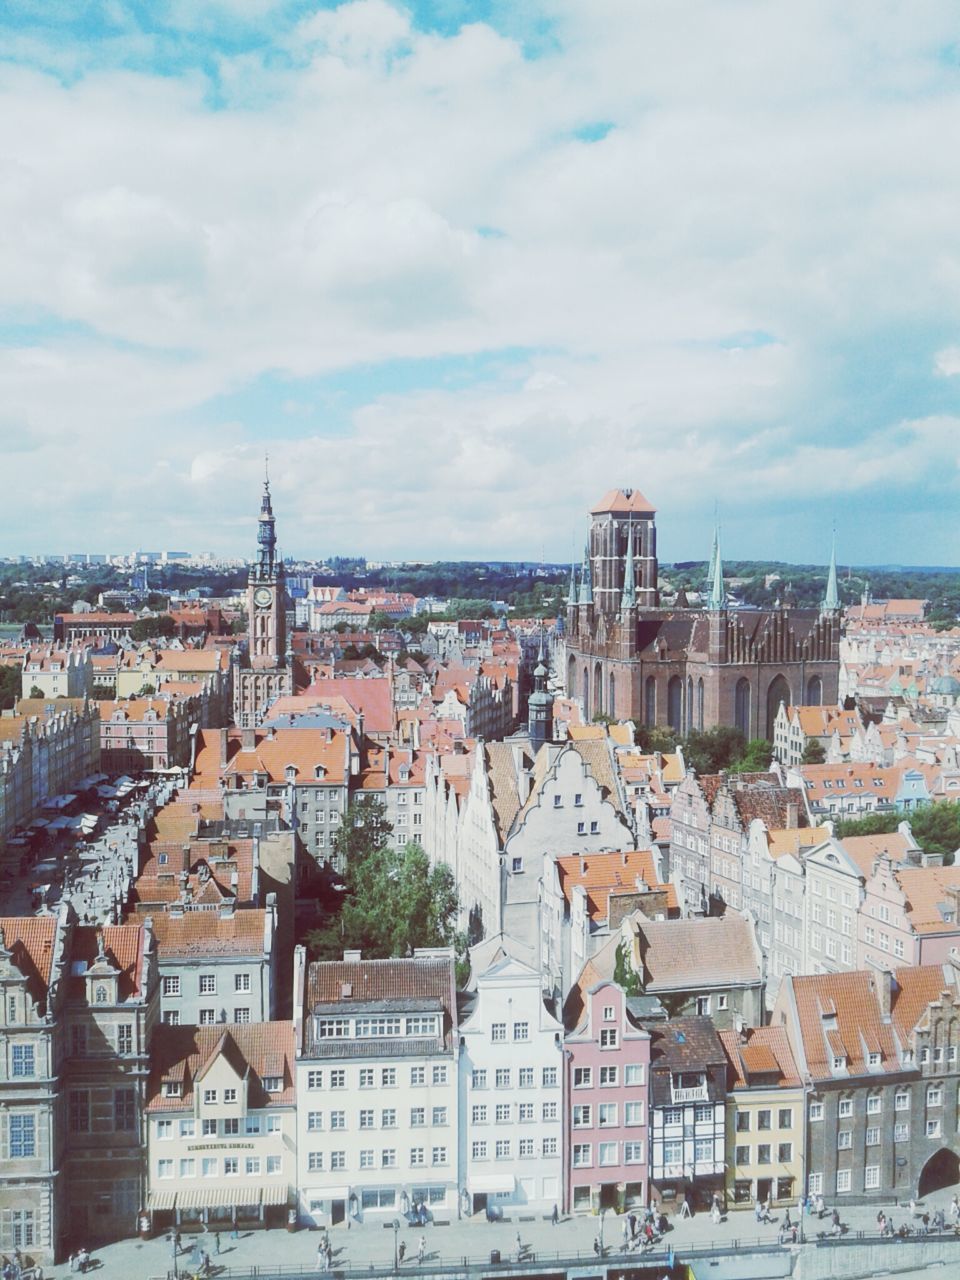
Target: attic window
273, 1084
838, 1062
161, 859
173, 1089
320, 771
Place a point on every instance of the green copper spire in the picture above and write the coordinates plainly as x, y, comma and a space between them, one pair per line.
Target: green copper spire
717, 598
831, 601
586, 584
572, 593
629, 599
713, 558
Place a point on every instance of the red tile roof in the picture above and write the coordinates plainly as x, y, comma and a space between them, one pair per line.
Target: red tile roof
185, 1053
207, 933
30, 941
623, 501
122, 945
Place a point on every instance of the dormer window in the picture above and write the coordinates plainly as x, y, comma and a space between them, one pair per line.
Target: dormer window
873, 1059
173, 1089
838, 1062
101, 995
320, 771
273, 1084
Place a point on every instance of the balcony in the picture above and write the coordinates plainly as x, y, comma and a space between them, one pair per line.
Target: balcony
697, 1094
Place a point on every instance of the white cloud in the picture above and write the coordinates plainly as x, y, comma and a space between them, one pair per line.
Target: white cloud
381, 193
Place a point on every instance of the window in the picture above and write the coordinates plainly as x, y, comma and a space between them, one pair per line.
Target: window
743, 1122
23, 1137
366, 1077
388, 1158
934, 1096
901, 1131
703, 1006
314, 1121
209, 1167
763, 1153
125, 1110
274, 1164
703, 1151
608, 1076
608, 1152
314, 1079
273, 1084
503, 1078
785, 1118
229, 1095
741, 1155
763, 1119
549, 1111
24, 1064
582, 1077
672, 1152
521, 1031
164, 1130
673, 1115
557, 802
418, 1075
208, 984
164, 1168
633, 1153
479, 1080
607, 1114
188, 1128
338, 1119
526, 1077
843, 1180
871, 1177
582, 1116
79, 1111
207, 1017
251, 1124
845, 1108
702, 1114
582, 1155
478, 1151
844, 1139
549, 1077
633, 1074
231, 1127
366, 1119
498, 1031
208, 1128
525, 1112
872, 1137
366, 1159
21, 1222
171, 985
388, 1078
933, 1128
439, 1075
549, 1147
417, 1156
785, 1152
188, 1168
241, 982
608, 1038
874, 1104
516, 865
525, 1148
439, 1155
633, 1113
210, 1097
388, 1118
418, 1116
901, 1100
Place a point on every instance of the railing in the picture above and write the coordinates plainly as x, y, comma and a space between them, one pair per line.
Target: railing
697, 1094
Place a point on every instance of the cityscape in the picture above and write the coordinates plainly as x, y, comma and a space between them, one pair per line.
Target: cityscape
479, 640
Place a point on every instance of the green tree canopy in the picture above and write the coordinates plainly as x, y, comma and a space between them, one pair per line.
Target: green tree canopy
813, 752
394, 900
936, 827
10, 684
151, 628
756, 757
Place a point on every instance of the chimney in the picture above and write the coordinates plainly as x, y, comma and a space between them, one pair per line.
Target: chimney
623, 858
351, 957
793, 815
223, 747
885, 985
248, 739
583, 865
185, 852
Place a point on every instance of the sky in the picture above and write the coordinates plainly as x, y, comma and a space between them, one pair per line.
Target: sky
462, 266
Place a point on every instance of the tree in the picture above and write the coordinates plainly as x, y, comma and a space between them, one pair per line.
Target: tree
150, 628
813, 752
36, 691
9, 687
624, 974
394, 900
756, 758
380, 621
710, 750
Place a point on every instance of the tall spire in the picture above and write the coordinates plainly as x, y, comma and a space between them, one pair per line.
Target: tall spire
713, 557
572, 593
586, 582
831, 601
629, 598
266, 532
717, 598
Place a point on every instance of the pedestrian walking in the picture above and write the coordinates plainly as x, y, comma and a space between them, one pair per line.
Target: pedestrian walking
519, 1247
216, 1241
596, 1245
821, 1207
555, 1216
421, 1248
234, 1232
402, 1250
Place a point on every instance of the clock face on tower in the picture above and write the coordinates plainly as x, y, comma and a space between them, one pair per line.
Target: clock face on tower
263, 597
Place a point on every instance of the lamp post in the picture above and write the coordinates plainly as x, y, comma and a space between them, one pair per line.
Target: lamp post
602, 1213
172, 1237
396, 1232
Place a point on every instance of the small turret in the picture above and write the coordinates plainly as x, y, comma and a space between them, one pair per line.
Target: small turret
717, 599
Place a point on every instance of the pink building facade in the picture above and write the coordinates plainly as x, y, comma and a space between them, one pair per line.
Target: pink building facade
607, 1064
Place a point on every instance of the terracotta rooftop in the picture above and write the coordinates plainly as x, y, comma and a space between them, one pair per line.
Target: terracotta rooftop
30, 941
184, 1054
622, 502
198, 934
760, 1052
930, 897
122, 945
602, 873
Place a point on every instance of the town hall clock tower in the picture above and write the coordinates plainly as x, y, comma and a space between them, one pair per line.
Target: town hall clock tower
266, 673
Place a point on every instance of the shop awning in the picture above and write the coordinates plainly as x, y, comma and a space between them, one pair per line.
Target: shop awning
492, 1184
208, 1197
162, 1200
276, 1195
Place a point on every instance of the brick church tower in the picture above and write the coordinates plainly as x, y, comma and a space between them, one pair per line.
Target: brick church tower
686, 668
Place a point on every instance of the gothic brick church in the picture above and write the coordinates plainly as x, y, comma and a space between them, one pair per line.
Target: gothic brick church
681, 667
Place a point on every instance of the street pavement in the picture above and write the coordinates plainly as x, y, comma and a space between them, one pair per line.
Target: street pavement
371, 1243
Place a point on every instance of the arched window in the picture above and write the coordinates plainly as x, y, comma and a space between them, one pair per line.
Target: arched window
611, 696
814, 692
650, 701
742, 707
688, 717
777, 692
597, 689
572, 677
675, 704
586, 693
700, 703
